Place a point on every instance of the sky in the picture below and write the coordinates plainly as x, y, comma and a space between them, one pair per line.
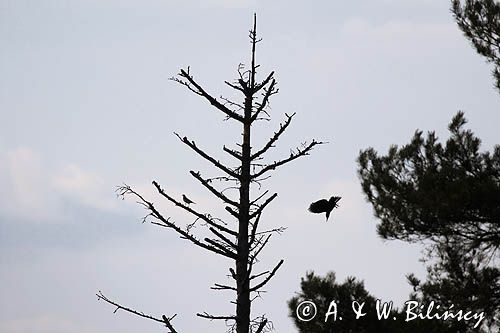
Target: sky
86, 104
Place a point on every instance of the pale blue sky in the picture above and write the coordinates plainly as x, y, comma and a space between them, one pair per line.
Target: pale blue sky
86, 104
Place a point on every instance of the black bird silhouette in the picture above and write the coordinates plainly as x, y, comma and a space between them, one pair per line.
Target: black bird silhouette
187, 200
324, 206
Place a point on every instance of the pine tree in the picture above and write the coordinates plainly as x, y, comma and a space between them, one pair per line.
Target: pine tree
480, 22
447, 196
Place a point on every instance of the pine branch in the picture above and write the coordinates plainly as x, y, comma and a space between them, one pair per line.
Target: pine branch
218, 286
200, 91
263, 83
271, 90
217, 193
233, 273
194, 240
233, 153
203, 217
262, 324
275, 137
261, 207
300, 152
243, 88
258, 275
211, 317
278, 230
232, 212
259, 249
166, 321
168, 224
223, 238
231, 103
259, 197
254, 229
224, 249
268, 278
209, 158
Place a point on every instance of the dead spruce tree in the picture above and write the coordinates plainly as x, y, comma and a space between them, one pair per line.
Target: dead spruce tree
242, 244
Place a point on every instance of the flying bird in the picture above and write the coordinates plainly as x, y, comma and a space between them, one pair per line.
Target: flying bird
324, 206
187, 200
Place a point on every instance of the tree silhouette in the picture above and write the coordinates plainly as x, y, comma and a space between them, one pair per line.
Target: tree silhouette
425, 190
241, 245
454, 278
449, 196
480, 22
323, 290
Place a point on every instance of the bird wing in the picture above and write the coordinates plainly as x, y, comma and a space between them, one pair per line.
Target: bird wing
334, 201
320, 206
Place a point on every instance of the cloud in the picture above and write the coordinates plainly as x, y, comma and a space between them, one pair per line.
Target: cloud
85, 187
44, 324
23, 185
35, 193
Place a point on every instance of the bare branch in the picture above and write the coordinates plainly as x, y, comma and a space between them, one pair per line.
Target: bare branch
263, 83
275, 137
300, 152
262, 245
259, 197
209, 158
263, 283
276, 230
230, 102
222, 179
233, 273
242, 73
261, 207
258, 295
200, 91
262, 324
260, 180
168, 224
211, 317
271, 90
224, 249
218, 194
241, 82
232, 212
166, 321
233, 153
194, 240
203, 217
257, 275
222, 237
254, 229
218, 286
230, 188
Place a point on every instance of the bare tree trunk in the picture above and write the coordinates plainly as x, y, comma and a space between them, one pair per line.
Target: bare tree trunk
243, 281
242, 273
